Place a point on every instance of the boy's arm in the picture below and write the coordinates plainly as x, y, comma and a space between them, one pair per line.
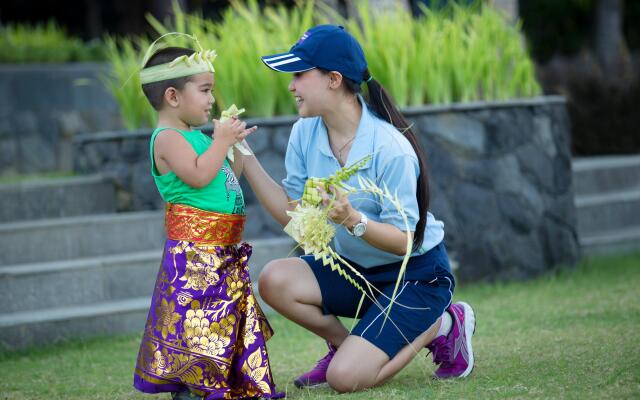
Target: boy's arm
196, 171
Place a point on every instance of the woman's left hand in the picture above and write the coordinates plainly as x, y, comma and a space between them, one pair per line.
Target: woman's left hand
341, 210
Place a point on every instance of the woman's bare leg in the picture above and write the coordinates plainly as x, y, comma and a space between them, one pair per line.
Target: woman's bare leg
347, 371
290, 287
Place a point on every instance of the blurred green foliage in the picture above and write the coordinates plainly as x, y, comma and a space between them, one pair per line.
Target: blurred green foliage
45, 43
457, 53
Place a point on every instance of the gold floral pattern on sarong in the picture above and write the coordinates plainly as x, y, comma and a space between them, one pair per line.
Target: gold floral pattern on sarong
205, 329
167, 318
202, 336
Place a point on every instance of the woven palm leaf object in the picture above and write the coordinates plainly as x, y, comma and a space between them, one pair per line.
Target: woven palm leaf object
311, 194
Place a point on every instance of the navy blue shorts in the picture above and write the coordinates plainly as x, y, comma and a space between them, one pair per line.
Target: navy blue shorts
427, 288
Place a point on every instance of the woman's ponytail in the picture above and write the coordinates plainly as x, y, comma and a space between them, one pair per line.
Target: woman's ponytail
382, 104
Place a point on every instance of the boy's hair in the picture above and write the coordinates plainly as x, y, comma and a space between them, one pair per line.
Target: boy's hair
155, 91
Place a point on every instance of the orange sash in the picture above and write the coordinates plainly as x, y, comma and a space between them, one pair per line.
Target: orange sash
207, 227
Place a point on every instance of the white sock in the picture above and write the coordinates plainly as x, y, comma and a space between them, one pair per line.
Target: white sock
445, 324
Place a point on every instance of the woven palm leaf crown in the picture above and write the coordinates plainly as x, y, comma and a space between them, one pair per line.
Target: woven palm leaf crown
200, 61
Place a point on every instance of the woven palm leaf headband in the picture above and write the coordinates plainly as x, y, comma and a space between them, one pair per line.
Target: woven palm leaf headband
200, 61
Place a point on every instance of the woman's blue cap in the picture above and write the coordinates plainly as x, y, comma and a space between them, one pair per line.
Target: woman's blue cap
329, 47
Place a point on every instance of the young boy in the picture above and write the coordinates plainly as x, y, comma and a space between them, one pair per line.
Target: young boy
205, 335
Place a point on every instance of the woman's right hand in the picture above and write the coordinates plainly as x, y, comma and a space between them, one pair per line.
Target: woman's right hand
231, 131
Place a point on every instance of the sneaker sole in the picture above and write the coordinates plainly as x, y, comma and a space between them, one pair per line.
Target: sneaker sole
469, 326
306, 386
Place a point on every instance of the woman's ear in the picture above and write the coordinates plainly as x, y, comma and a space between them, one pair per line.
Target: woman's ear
335, 79
171, 96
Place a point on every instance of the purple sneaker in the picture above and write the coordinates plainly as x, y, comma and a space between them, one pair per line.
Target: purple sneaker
454, 353
318, 375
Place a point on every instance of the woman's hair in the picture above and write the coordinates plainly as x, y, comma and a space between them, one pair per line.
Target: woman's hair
155, 91
383, 106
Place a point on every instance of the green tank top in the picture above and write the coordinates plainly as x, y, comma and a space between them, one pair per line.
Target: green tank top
223, 194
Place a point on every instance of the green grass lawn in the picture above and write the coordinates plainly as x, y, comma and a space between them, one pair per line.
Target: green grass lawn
569, 335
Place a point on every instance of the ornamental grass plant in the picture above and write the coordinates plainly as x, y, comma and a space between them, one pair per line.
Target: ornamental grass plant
456, 53
452, 54
124, 83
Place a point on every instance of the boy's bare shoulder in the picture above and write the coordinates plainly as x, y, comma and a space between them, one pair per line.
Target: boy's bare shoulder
168, 137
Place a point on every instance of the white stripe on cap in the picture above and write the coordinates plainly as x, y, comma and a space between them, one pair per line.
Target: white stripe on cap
278, 57
285, 62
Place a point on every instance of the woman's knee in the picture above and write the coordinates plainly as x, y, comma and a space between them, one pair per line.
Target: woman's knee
347, 371
280, 278
271, 278
287, 281
345, 378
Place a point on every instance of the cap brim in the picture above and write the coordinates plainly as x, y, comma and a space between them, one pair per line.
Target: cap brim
286, 62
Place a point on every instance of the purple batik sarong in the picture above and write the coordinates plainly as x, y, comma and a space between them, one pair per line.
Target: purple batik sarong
205, 331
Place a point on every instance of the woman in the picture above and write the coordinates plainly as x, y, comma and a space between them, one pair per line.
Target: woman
338, 128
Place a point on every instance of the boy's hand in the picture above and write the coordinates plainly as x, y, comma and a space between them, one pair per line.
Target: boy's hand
233, 112
231, 131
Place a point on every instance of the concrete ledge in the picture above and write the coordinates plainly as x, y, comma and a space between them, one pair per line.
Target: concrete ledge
101, 279
59, 309
608, 211
619, 241
75, 237
595, 175
82, 281
480, 105
607, 198
20, 270
66, 313
595, 163
55, 198
52, 325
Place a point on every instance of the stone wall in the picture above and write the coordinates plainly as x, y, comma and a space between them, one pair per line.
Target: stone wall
500, 176
43, 106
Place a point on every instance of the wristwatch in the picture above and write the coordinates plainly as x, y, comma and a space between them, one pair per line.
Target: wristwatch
360, 228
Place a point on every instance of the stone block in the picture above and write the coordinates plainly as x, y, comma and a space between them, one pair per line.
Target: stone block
495, 170
459, 134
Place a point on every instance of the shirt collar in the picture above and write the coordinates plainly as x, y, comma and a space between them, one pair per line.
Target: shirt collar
363, 143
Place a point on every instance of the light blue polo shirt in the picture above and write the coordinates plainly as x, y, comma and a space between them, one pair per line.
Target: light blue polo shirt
394, 163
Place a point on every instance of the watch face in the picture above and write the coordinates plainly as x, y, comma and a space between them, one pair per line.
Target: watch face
359, 229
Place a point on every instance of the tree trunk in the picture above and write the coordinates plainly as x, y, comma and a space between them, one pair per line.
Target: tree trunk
92, 19
609, 44
161, 9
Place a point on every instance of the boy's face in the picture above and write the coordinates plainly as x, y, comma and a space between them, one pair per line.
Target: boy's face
196, 99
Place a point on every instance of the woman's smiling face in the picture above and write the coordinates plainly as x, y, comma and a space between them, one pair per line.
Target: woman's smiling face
311, 91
